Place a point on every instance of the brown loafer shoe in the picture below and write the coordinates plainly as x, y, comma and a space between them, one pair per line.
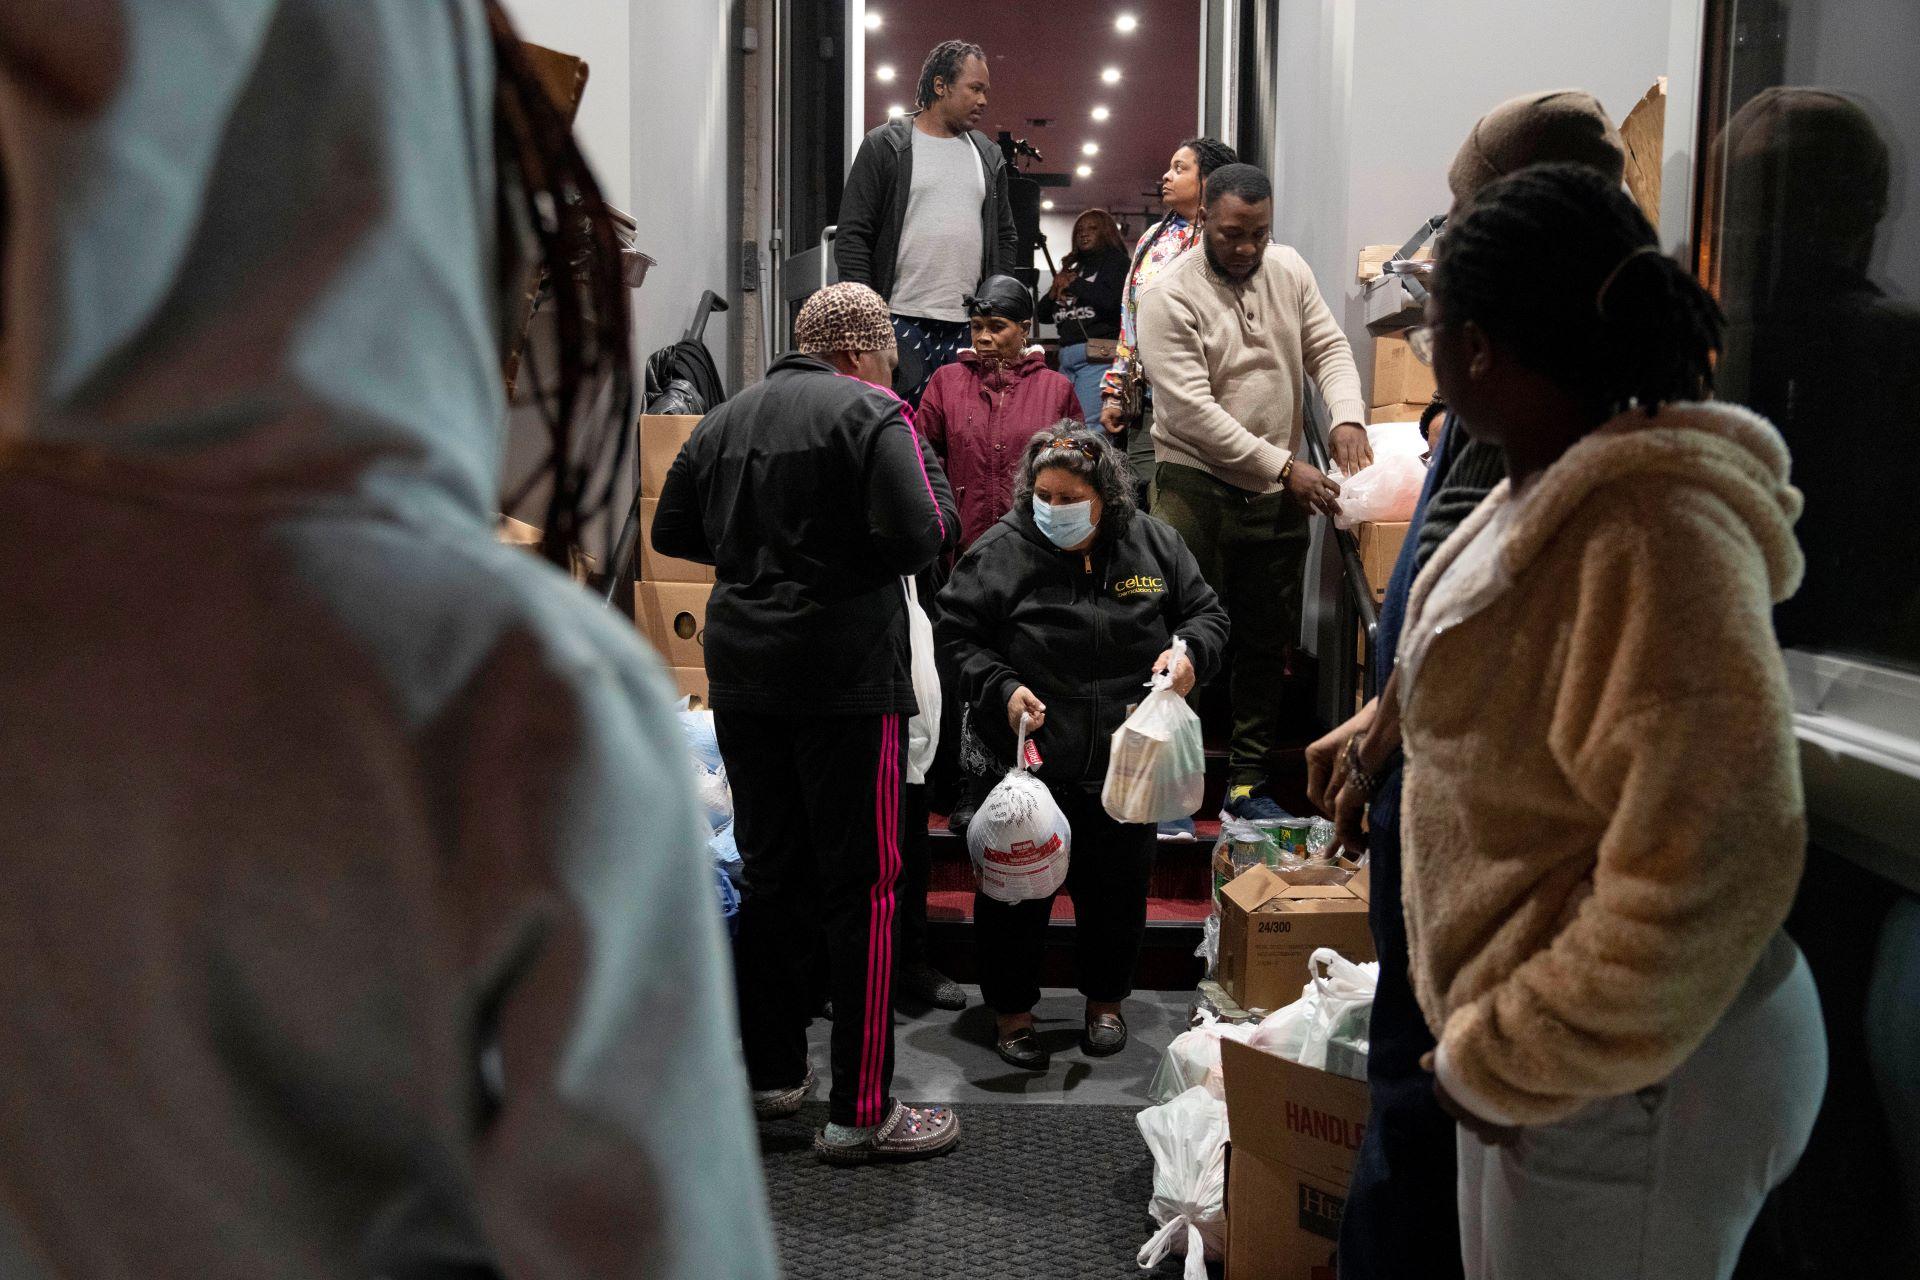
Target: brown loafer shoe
908, 1133
1105, 1035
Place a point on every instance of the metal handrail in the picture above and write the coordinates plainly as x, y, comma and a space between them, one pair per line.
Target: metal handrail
1359, 591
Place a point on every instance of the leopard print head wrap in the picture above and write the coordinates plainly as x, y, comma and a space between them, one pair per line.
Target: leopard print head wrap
843, 317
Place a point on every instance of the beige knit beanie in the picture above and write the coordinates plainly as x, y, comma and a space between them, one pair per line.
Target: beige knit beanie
1537, 128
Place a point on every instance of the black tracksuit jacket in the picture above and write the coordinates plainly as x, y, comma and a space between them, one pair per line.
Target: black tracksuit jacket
1081, 630
811, 495
873, 208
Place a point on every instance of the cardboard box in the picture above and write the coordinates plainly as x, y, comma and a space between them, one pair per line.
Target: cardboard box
655, 567
1374, 256
518, 533
1387, 303
1272, 921
1296, 1134
1397, 412
691, 682
1398, 375
673, 616
1379, 549
661, 438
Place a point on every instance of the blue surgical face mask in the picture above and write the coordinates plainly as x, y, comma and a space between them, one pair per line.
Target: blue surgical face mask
1067, 525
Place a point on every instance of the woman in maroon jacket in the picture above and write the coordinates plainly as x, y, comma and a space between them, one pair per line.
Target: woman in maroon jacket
980, 413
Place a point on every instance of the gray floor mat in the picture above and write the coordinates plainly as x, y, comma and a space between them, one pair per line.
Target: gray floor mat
1040, 1193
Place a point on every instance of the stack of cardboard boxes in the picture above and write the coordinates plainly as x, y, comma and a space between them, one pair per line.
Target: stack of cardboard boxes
1296, 1130
1402, 385
670, 599
1402, 388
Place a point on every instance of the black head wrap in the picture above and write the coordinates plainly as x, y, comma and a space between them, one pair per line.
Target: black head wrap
1001, 296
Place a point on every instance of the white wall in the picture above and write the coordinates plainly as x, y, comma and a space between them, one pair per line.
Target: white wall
658, 124
596, 30
1421, 77
685, 190
1313, 143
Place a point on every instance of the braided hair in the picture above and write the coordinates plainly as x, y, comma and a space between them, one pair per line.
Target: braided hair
553, 216
1209, 154
1558, 264
944, 63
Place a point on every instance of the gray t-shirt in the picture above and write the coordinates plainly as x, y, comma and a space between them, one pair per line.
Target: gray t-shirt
940, 249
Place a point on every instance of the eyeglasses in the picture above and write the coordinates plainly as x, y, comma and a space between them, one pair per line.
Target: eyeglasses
1420, 342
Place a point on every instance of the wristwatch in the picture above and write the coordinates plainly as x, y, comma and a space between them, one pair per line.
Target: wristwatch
1286, 470
1357, 775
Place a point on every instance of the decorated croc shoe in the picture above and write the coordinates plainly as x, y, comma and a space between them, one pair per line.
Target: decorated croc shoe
908, 1133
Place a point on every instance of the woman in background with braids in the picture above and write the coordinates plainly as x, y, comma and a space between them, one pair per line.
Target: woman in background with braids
1603, 820
357, 921
1182, 187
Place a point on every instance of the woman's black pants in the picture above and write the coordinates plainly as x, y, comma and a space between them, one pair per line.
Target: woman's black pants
1108, 867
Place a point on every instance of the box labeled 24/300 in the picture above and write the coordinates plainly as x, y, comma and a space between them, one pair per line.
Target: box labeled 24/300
1272, 921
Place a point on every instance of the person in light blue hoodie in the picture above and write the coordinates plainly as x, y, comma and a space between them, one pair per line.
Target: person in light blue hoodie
357, 921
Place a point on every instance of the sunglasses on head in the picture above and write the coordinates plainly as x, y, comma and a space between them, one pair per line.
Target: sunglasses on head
1061, 442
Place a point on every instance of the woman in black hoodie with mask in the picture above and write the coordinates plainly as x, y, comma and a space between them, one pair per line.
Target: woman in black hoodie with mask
1060, 612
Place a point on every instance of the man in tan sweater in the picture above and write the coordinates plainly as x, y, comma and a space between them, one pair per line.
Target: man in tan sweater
1228, 336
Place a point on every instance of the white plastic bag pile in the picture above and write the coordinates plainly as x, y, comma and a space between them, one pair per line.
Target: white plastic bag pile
1187, 1132
1018, 839
1188, 1138
1192, 1061
1301, 1031
1390, 488
1156, 768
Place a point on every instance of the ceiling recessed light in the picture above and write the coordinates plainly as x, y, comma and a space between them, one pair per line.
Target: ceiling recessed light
1111, 75
1126, 24
1046, 204
873, 20
1085, 171
895, 111
1101, 113
884, 73
1089, 148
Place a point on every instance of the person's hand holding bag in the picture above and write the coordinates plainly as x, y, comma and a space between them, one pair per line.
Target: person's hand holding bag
1023, 703
1184, 675
1156, 766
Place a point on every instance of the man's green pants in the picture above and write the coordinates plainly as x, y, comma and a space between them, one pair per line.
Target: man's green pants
1252, 549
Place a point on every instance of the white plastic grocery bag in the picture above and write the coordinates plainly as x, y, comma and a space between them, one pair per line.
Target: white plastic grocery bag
1344, 986
1157, 769
1018, 838
1300, 1031
1388, 490
1192, 1061
1188, 1138
923, 731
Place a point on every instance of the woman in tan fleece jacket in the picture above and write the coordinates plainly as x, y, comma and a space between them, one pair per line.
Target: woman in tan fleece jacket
1604, 823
